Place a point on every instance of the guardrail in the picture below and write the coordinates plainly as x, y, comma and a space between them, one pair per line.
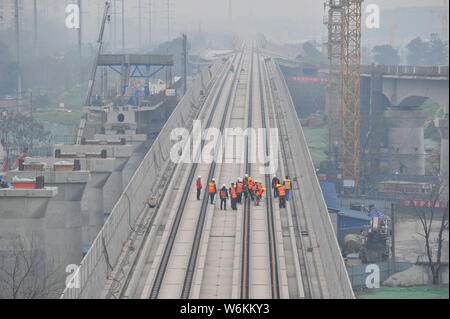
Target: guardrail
406, 70
337, 281
93, 271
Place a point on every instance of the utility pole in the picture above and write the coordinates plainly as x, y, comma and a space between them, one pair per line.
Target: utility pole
35, 24
393, 220
140, 23
123, 26
150, 23
185, 62
80, 41
168, 22
115, 25
17, 43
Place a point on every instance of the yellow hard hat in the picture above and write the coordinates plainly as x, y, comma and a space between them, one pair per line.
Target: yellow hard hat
264, 189
278, 185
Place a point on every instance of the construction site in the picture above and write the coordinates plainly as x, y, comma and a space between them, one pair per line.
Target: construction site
154, 149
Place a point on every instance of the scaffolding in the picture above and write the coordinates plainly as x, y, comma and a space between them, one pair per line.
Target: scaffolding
343, 106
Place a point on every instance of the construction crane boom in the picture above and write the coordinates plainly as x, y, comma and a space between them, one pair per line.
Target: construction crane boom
91, 83
343, 106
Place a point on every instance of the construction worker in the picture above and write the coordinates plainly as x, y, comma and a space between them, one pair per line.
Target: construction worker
198, 185
233, 194
259, 190
245, 186
250, 187
223, 197
282, 195
212, 190
275, 182
239, 190
288, 186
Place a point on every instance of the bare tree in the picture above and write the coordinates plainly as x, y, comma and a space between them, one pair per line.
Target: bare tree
25, 273
433, 237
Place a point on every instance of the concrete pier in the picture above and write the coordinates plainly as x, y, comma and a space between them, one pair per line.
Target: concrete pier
442, 125
63, 221
92, 202
22, 226
137, 141
121, 153
406, 140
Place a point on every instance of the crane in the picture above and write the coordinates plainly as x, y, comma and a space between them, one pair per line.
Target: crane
106, 18
344, 53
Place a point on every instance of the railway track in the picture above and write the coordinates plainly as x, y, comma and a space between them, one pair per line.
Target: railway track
274, 274
187, 284
123, 278
308, 268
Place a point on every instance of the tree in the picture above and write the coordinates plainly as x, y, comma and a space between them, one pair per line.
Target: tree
417, 52
433, 228
433, 52
19, 132
8, 71
24, 272
438, 51
385, 54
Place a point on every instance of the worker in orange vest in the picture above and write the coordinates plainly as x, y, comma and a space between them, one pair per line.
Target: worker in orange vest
239, 190
198, 186
223, 193
212, 190
282, 195
233, 194
288, 185
245, 182
259, 190
250, 186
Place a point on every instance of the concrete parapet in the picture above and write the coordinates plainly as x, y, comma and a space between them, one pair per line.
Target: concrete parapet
406, 140
63, 218
22, 221
92, 202
117, 151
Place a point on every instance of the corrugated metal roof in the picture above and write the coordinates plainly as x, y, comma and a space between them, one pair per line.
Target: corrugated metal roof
330, 195
331, 199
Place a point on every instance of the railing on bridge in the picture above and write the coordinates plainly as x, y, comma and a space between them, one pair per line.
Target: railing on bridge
407, 70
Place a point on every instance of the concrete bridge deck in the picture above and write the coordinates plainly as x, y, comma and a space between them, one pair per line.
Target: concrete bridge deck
184, 248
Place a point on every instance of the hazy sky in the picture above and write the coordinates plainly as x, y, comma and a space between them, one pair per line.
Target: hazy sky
279, 8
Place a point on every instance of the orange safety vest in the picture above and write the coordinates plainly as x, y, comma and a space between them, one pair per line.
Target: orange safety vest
233, 193
287, 183
240, 187
259, 192
199, 184
250, 184
223, 193
281, 191
212, 187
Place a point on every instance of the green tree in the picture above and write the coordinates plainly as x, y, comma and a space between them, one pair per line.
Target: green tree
438, 51
385, 54
8, 71
417, 52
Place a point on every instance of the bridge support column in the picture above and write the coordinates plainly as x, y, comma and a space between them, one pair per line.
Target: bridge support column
23, 232
442, 125
406, 140
63, 216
